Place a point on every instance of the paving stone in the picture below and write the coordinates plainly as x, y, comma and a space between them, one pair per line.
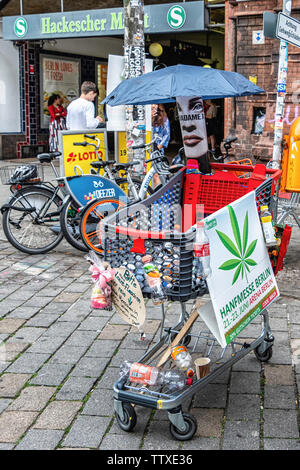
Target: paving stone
281, 444
23, 312
58, 415
212, 396
4, 402
276, 374
100, 403
201, 443
103, 348
28, 363
11, 384
280, 423
75, 388
159, 438
10, 325
7, 306
62, 328
43, 320
115, 332
67, 297
6, 446
14, 423
120, 442
209, 421
68, 354
93, 324
51, 374
37, 301
245, 382
278, 396
87, 431
243, 406
28, 334
46, 344
109, 377
240, 435
90, 367
40, 439
32, 399
84, 338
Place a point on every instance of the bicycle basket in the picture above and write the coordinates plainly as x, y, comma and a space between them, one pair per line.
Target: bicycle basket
19, 174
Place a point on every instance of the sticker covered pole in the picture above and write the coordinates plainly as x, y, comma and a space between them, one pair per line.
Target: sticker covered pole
134, 66
281, 92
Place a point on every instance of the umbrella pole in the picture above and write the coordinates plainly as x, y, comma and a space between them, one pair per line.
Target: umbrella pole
134, 65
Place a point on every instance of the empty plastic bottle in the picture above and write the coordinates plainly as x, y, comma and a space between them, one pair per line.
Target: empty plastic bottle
183, 359
150, 375
201, 248
267, 225
153, 279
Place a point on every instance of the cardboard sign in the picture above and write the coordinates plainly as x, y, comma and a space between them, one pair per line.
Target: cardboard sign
242, 283
127, 297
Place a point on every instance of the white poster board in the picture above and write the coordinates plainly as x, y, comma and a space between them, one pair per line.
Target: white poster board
10, 120
59, 75
116, 114
242, 283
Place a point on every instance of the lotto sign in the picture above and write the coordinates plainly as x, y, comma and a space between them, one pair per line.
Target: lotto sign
242, 283
77, 159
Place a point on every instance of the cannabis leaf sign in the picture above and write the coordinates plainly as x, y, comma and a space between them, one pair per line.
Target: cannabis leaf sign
241, 251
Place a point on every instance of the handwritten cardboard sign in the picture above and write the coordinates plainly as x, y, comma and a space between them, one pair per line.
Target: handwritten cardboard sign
127, 297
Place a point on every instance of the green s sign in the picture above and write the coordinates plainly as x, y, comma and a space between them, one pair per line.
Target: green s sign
20, 27
176, 17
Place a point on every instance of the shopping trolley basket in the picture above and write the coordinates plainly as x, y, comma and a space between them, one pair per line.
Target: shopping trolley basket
152, 227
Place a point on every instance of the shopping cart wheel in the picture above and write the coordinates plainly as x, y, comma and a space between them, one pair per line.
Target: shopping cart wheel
265, 356
129, 420
187, 434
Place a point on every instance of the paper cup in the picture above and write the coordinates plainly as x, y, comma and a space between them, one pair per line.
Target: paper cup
202, 366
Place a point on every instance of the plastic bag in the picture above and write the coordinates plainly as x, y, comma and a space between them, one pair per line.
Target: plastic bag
102, 275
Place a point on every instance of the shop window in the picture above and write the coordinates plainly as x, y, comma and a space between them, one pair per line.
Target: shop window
259, 117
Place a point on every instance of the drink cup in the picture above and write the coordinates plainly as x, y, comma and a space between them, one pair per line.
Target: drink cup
202, 366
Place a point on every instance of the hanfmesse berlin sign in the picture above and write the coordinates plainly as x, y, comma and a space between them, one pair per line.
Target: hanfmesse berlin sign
288, 29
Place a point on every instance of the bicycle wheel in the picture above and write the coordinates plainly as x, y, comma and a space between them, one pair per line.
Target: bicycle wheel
123, 183
91, 216
31, 222
70, 226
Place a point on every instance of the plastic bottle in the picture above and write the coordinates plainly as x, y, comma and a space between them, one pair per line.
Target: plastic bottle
150, 375
182, 359
267, 225
201, 248
153, 279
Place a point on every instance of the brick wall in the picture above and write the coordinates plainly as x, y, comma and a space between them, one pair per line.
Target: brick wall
261, 61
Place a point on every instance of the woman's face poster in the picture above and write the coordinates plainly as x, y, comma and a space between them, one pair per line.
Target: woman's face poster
193, 125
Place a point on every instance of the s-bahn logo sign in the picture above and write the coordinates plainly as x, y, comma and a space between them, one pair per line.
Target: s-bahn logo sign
176, 17
20, 27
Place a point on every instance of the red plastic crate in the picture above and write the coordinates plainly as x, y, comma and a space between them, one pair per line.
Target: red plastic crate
223, 187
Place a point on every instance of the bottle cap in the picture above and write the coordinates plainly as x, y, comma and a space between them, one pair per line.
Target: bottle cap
176, 350
190, 373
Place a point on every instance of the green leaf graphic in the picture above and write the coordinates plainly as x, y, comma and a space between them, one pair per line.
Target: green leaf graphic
237, 273
251, 262
230, 264
250, 249
245, 233
235, 228
228, 243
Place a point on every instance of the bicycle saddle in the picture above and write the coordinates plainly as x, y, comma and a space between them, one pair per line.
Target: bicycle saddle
120, 166
229, 140
102, 164
48, 157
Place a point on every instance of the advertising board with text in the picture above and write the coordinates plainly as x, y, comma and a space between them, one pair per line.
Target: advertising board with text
242, 283
77, 159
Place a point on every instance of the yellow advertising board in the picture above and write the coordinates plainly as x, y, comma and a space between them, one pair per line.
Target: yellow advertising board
76, 159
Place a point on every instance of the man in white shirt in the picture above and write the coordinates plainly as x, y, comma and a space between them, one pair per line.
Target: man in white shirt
81, 112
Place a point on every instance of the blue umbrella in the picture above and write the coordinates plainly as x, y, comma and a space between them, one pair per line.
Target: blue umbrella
162, 86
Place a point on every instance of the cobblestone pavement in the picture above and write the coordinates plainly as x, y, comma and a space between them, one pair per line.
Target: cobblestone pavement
59, 359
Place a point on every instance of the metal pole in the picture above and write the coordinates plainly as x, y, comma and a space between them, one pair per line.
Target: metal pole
134, 65
281, 92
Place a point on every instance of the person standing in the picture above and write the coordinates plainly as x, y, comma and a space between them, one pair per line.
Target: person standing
161, 131
210, 116
57, 120
81, 112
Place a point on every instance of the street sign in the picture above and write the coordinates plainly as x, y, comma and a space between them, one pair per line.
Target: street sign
270, 24
258, 37
288, 29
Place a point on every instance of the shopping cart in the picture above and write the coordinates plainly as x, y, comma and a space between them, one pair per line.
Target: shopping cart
151, 227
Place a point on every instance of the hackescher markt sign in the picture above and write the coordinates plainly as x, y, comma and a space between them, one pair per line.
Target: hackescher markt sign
163, 18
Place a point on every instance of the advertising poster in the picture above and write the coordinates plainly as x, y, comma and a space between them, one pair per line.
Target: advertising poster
60, 76
101, 83
242, 283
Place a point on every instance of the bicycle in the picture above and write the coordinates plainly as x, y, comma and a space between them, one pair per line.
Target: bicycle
94, 212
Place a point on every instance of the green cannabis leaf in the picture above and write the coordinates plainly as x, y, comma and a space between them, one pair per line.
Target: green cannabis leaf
241, 251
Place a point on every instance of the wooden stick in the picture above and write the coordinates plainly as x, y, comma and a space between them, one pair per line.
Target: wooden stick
194, 315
